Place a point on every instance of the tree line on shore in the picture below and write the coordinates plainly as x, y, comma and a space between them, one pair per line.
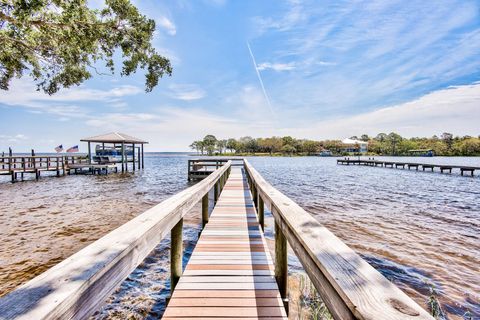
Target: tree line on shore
382, 144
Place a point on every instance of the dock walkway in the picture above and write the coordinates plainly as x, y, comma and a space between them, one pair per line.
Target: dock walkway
230, 273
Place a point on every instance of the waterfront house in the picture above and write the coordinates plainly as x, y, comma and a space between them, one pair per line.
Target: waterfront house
354, 146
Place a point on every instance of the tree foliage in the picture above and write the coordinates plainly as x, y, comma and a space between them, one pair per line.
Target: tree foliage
382, 144
59, 42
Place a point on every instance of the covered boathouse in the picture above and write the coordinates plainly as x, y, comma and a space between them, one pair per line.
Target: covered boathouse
116, 147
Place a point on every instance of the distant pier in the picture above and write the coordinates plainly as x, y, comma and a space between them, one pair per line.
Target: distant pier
410, 165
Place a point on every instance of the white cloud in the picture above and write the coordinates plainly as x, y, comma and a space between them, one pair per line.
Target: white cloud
305, 65
22, 93
383, 51
294, 15
276, 66
12, 138
456, 110
167, 25
186, 92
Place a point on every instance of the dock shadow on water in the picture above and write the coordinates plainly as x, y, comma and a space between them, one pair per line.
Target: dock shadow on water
420, 230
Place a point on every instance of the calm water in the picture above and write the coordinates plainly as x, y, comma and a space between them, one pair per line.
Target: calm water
421, 230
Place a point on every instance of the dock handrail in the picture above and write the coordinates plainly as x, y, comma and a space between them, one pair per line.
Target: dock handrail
349, 286
79, 285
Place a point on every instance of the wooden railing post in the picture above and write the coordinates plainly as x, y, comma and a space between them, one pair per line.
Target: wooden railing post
281, 263
204, 210
255, 195
261, 212
215, 192
176, 254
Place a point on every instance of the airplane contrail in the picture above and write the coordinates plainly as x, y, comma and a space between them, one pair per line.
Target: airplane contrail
260, 79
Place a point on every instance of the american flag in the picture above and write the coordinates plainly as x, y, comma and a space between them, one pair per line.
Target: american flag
73, 149
59, 148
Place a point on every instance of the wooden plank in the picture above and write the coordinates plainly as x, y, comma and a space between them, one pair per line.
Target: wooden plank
226, 293
350, 287
191, 279
225, 311
216, 272
225, 302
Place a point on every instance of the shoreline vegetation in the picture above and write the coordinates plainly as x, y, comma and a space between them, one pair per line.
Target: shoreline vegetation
382, 144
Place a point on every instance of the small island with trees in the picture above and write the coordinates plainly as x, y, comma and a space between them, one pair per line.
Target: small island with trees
391, 144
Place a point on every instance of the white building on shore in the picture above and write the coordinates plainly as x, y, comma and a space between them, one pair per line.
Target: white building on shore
354, 146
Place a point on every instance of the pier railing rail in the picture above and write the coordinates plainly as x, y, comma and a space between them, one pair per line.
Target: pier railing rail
350, 287
30, 162
78, 286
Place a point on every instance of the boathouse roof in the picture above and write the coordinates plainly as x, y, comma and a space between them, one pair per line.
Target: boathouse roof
114, 137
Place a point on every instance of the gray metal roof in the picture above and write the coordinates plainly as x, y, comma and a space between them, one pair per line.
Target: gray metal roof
114, 137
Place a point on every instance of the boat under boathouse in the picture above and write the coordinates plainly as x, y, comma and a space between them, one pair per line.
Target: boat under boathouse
114, 147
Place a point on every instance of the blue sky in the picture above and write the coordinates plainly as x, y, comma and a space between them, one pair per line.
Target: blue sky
330, 69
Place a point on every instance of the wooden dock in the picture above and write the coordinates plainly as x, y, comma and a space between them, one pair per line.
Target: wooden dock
230, 274
19, 166
410, 165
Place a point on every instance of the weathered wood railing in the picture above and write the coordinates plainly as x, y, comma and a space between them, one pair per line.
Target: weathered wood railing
200, 168
349, 286
79, 285
14, 165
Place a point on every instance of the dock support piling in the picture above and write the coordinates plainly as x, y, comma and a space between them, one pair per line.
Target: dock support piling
215, 192
139, 157
143, 157
89, 153
176, 254
133, 154
123, 157
261, 213
204, 210
281, 264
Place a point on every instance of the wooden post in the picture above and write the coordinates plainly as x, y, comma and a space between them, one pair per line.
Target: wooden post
215, 192
255, 195
123, 157
204, 210
176, 254
261, 212
133, 148
143, 157
281, 263
138, 156
89, 153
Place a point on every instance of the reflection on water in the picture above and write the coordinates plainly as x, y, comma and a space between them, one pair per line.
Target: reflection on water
419, 229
